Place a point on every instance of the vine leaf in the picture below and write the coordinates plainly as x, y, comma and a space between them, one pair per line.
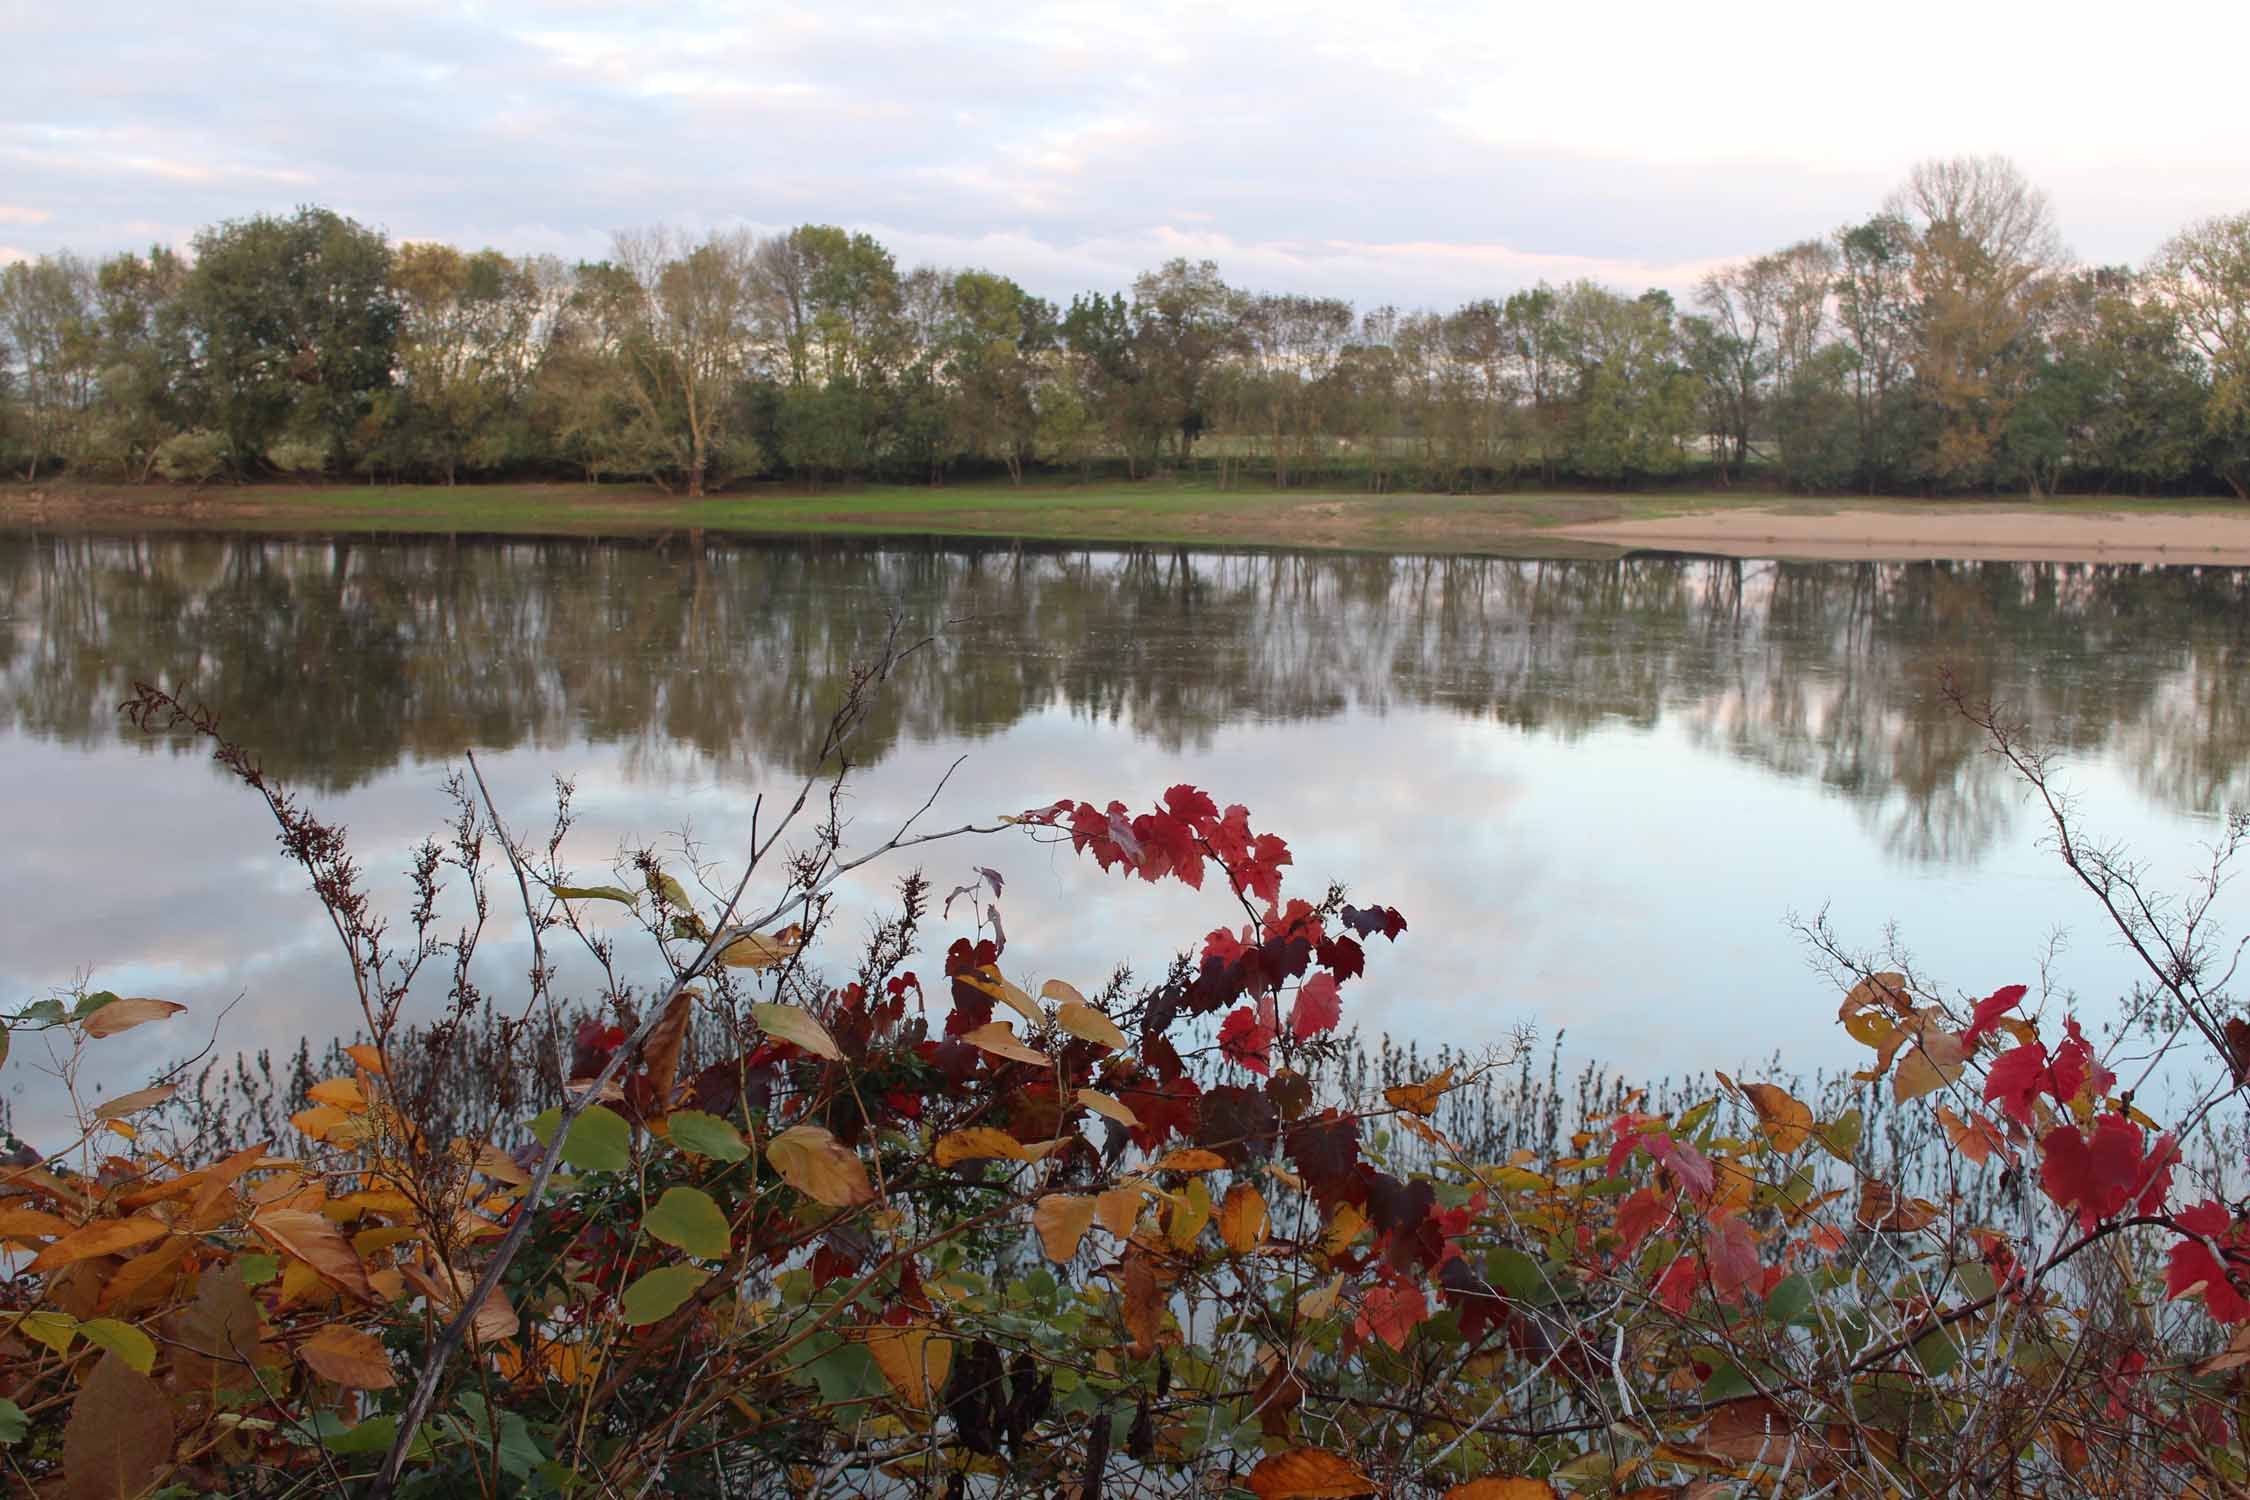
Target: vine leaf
349, 1358
689, 1219
999, 1039
816, 1164
798, 1026
119, 1438
1062, 1220
1309, 1474
658, 1294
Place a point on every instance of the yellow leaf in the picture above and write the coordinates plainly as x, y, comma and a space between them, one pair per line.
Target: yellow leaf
349, 1358
1108, 1106
1190, 1212
102, 1237
1242, 1219
1786, 1121
367, 1057
1063, 990
1347, 1225
987, 979
1088, 1024
795, 1024
56, 1330
980, 1143
1190, 1159
1062, 1220
343, 1093
816, 1164
999, 1039
1318, 1305
125, 1104
124, 1015
757, 951
913, 1359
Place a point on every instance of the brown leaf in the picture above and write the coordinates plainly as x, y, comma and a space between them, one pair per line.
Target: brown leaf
1497, 1488
758, 951
145, 1278
318, 1243
913, 1359
217, 1342
816, 1164
31, 1222
118, 1442
1309, 1474
124, 1015
348, 1357
1748, 1431
1062, 1220
1279, 1394
999, 1039
1142, 1311
1786, 1122
102, 1237
1883, 1211
1242, 1219
660, 1053
1931, 1063
140, 1099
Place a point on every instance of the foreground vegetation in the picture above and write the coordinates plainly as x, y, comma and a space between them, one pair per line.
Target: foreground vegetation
1944, 345
749, 1228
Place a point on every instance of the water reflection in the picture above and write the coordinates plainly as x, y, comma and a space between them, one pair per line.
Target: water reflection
342, 659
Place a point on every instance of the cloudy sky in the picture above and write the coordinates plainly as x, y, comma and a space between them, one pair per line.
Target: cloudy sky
1421, 153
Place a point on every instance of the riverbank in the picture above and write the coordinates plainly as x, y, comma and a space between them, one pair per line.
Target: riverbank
1584, 525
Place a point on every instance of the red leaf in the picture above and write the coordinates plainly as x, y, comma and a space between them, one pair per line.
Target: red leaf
1190, 806
1390, 1313
1989, 1011
1689, 1165
1318, 1007
1343, 957
2191, 1270
1732, 1250
1640, 1216
2074, 1067
2097, 1177
1676, 1288
1246, 1043
2014, 1080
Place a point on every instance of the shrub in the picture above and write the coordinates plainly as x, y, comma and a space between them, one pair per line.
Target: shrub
197, 456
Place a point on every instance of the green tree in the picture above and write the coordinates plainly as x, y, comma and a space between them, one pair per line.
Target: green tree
287, 320
688, 341
468, 348
1186, 319
2203, 273
49, 335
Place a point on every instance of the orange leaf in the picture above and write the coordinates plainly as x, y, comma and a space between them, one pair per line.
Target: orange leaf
367, 1057
1786, 1121
913, 1359
1309, 1474
1420, 1098
343, 1093
102, 1237
349, 1358
124, 1015
1190, 1159
30, 1221
1503, 1489
1242, 1219
1883, 1211
1062, 1220
1118, 1210
316, 1242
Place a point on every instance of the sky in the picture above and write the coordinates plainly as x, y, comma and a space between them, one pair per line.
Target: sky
1421, 154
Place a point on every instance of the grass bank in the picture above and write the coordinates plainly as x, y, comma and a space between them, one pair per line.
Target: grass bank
1746, 522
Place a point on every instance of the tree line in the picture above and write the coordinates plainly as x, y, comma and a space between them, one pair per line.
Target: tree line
1946, 344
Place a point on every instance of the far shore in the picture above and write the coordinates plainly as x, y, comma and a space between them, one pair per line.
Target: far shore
1554, 524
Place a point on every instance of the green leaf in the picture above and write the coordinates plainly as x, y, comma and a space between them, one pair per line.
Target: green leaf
1937, 1352
846, 1373
91, 1003
371, 1436
257, 1270
659, 1293
702, 1134
615, 893
13, 1423
1790, 1300
125, 1341
1841, 1138
688, 1218
670, 891
1517, 1274
1726, 1383
599, 1140
42, 1013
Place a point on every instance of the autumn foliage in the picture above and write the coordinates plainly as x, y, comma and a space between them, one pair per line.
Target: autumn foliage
932, 1231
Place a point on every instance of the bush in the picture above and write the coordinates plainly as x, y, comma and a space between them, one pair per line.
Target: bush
299, 458
197, 456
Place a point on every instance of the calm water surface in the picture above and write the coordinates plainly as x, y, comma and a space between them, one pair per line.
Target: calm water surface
1598, 790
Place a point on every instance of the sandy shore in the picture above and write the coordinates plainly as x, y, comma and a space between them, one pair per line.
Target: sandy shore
1975, 534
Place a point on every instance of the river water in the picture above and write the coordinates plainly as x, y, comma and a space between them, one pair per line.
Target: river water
1599, 791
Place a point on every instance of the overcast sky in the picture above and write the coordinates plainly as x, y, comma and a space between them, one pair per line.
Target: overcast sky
1421, 154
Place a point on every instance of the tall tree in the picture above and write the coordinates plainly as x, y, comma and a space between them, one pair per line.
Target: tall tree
468, 347
688, 339
49, 335
1875, 308
287, 319
1186, 320
2203, 273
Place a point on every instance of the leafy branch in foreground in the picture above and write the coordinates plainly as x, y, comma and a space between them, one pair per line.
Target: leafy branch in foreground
878, 1237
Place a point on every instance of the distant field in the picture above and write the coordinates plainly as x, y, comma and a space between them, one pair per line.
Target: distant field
1150, 511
